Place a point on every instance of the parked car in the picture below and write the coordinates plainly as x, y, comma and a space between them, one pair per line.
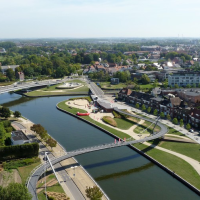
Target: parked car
191, 130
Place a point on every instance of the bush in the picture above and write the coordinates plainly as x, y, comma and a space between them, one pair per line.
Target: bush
110, 121
116, 115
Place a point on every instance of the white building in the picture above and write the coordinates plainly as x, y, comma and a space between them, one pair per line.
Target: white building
18, 138
184, 78
4, 68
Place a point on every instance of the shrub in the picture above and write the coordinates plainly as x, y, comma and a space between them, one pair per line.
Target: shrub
110, 121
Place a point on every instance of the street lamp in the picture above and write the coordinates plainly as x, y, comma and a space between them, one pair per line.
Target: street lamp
74, 170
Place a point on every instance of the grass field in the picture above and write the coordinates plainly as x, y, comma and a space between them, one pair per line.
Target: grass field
50, 91
26, 170
179, 166
124, 124
142, 127
174, 132
107, 85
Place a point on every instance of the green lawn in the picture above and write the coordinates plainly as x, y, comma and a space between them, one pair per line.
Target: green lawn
107, 85
124, 124
142, 127
147, 86
174, 132
179, 166
26, 170
48, 178
188, 149
48, 91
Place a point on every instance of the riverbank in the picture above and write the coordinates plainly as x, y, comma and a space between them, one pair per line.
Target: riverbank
74, 170
194, 179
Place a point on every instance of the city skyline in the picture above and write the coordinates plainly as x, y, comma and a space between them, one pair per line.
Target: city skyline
93, 19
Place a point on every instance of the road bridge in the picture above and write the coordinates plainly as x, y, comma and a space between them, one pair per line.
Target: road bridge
31, 184
26, 85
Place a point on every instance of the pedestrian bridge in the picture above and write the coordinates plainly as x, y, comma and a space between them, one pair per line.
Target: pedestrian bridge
31, 184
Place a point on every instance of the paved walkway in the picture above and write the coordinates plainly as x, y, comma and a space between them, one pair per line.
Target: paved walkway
69, 182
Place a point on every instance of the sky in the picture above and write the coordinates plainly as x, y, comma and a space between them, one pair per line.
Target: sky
99, 18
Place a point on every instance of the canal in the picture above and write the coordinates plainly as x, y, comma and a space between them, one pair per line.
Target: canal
121, 172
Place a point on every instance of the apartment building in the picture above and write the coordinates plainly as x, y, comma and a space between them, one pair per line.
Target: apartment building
183, 78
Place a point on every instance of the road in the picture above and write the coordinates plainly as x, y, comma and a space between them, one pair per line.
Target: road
26, 85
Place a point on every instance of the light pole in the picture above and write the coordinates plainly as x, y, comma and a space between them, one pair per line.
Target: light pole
74, 170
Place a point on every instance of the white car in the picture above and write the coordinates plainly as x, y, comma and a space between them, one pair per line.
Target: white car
191, 130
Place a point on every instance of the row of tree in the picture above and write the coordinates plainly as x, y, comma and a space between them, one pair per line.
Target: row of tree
40, 130
162, 115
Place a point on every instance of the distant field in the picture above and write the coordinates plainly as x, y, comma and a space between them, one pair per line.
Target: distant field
107, 85
52, 90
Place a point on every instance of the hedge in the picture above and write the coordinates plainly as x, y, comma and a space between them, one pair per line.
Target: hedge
19, 151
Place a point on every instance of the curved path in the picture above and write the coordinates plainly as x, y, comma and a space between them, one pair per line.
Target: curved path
38, 172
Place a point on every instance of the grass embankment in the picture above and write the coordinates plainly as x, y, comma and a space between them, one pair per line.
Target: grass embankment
6, 83
52, 90
72, 110
142, 127
24, 171
174, 132
179, 166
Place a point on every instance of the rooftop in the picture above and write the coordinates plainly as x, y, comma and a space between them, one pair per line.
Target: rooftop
18, 135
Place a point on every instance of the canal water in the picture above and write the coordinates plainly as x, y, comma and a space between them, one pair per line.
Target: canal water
121, 172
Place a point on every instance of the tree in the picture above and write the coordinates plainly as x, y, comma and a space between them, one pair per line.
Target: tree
188, 127
175, 121
5, 112
149, 109
51, 142
143, 107
162, 115
155, 84
188, 86
168, 117
137, 105
17, 114
145, 79
10, 74
181, 123
93, 193
176, 86
15, 191
165, 83
155, 112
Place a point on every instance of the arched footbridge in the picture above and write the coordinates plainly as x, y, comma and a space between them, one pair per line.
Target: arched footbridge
31, 184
